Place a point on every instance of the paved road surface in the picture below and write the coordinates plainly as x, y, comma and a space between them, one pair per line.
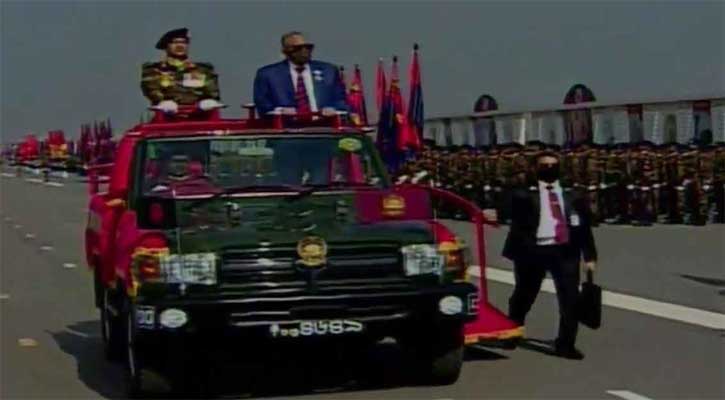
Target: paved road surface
46, 303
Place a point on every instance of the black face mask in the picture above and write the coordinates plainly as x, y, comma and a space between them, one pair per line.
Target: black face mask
548, 174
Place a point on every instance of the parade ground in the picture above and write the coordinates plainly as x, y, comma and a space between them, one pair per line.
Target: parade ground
662, 336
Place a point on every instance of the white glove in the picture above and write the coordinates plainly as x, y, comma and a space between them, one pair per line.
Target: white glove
284, 111
209, 104
418, 176
168, 106
328, 111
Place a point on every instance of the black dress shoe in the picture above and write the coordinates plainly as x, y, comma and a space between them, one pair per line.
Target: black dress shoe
569, 352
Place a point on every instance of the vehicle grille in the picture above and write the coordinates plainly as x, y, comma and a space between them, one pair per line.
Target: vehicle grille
349, 269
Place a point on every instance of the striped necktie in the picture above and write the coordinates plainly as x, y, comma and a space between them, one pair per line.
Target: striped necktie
561, 231
303, 102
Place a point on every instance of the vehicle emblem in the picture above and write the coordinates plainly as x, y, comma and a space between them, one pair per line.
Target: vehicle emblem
312, 251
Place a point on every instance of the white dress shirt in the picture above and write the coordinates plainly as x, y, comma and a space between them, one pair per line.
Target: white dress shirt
546, 232
307, 77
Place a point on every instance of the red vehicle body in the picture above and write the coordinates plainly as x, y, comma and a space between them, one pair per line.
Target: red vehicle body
56, 149
28, 151
115, 239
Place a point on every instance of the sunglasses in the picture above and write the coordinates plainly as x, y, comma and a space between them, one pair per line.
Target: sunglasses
298, 47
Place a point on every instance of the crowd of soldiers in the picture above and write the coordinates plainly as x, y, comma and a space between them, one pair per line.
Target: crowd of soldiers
638, 184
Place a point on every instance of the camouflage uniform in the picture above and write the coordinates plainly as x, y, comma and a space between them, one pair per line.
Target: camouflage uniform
719, 183
643, 175
706, 177
508, 179
595, 164
494, 185
614, 178
566, 162
690, 188
183, 82
671, 181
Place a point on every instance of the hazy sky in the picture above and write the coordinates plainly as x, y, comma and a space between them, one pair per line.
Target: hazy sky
64, 63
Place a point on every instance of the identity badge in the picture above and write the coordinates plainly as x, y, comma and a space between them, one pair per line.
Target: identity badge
574, 220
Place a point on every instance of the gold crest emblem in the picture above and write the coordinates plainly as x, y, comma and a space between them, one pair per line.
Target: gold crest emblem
312, 251
393, 205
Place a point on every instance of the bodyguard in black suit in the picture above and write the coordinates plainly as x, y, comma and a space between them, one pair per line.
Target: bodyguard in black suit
550, 231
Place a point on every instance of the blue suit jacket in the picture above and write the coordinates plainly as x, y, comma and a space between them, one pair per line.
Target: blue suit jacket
273, 87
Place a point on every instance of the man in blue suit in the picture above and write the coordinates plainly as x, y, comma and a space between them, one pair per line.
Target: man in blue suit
299, 84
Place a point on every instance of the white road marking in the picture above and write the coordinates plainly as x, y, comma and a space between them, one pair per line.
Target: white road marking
9, 175
46, 248
17, 226
4, 296
27, 342
34, 180
627, 395
75, 332
69, 265
56, 184
675, 312
30, 236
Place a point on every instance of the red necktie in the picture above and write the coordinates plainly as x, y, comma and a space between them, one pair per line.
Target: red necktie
561, 230
303, 102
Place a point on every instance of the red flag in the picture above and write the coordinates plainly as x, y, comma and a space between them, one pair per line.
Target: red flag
356, 99
415, 103
403, 137
380, 86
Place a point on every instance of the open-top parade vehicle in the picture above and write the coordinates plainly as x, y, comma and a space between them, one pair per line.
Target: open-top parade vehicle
215, 236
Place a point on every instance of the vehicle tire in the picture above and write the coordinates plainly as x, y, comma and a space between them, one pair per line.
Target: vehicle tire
135, 376
111, 329
437, 356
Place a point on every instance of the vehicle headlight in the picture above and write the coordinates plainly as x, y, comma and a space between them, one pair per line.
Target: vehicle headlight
421, 259
194, 268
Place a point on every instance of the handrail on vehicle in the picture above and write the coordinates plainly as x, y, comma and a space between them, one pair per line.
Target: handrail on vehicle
98, 174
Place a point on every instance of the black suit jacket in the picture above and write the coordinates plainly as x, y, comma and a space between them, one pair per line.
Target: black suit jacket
525, 213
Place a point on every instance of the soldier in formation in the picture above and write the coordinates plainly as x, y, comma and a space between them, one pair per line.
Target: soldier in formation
639, 184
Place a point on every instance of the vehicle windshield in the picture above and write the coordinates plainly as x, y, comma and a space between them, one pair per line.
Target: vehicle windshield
279, 163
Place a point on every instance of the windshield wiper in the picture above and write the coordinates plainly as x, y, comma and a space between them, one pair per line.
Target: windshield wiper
315, 188
250, 188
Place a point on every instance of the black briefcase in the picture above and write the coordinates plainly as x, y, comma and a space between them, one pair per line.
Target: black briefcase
589, 304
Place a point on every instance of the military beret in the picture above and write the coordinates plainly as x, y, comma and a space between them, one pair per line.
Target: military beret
171, 35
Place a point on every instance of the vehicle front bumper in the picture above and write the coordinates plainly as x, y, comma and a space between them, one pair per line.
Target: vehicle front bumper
225, 323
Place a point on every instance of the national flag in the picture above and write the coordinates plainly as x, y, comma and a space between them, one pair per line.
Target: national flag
380, 86
391, 124
356, 99
415, 105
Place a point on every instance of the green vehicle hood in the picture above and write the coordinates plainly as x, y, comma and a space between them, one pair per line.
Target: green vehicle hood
242, 223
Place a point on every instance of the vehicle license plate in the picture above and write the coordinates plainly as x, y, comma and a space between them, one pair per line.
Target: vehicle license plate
328, 327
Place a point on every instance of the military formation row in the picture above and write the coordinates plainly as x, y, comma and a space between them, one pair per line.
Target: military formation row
637, 184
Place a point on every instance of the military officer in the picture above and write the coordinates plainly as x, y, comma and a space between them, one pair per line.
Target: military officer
719, 182
593, 179
690, 187
176, 80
